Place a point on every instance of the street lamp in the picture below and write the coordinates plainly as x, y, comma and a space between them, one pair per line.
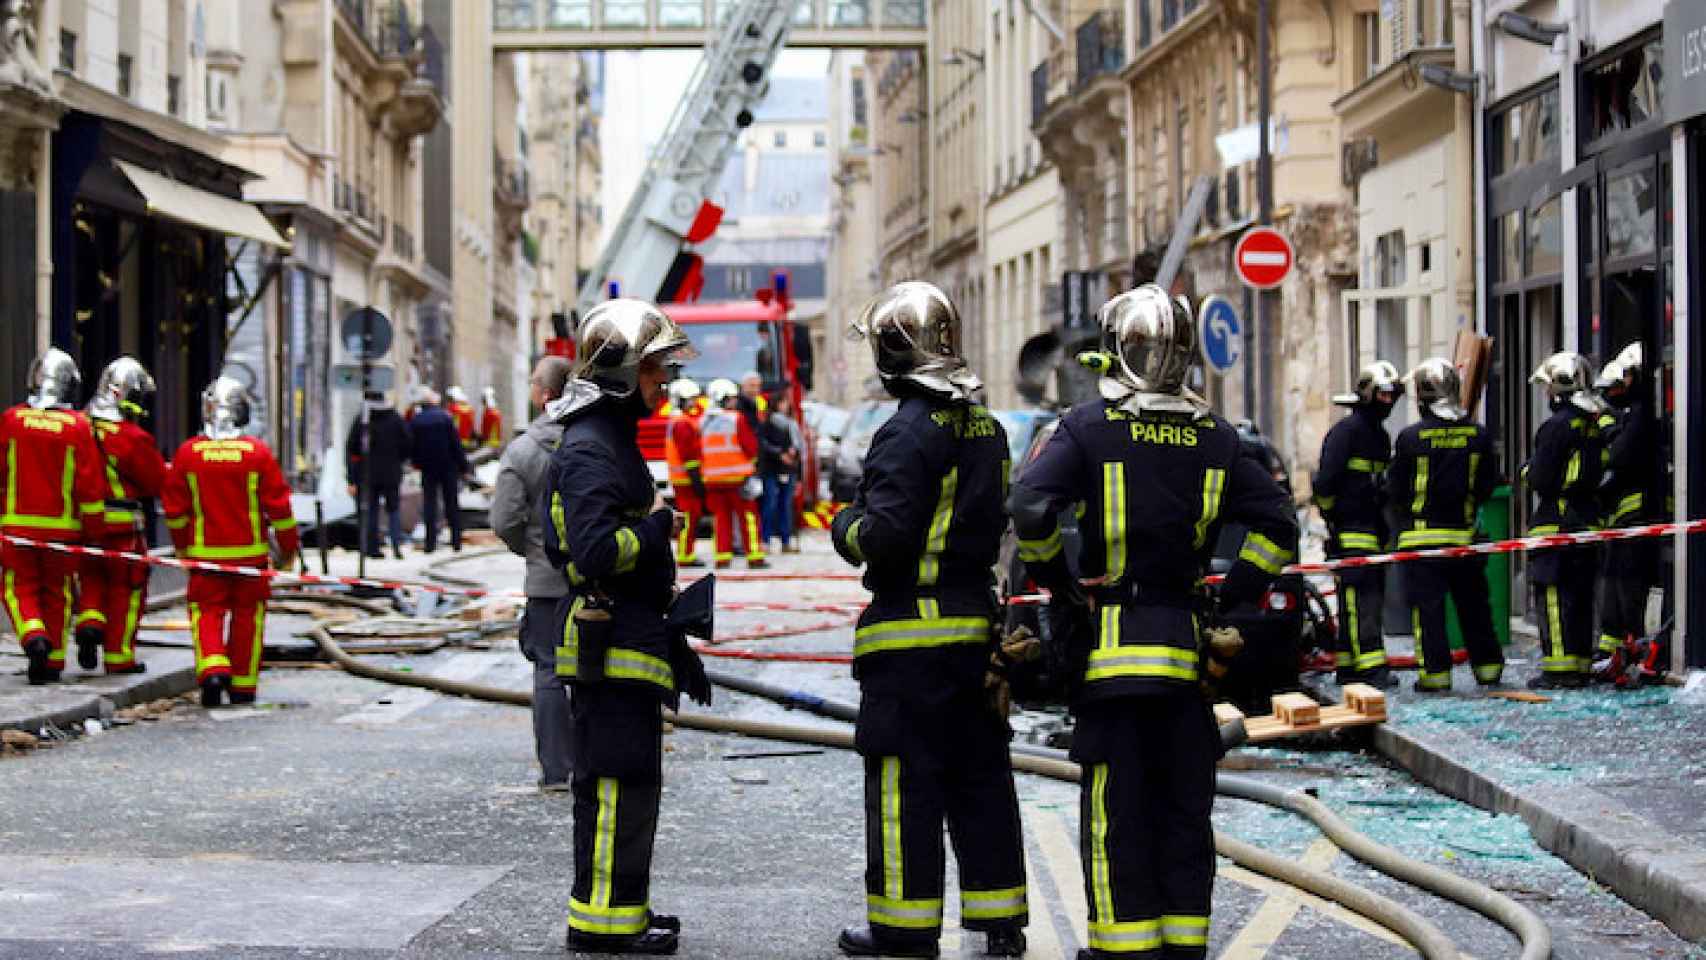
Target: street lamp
1435, 75
1530, 29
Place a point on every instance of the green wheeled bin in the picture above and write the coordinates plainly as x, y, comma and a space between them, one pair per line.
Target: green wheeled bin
1493, 523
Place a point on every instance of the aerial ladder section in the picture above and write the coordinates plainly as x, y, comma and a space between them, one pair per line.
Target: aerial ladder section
646, 256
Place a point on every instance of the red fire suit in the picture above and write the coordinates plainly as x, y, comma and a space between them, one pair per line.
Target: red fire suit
683, 452
113, 590
219, 499
463, 414
730, 449
53, 492
491, 426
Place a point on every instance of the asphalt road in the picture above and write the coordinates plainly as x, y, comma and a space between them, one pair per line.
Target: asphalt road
345, 819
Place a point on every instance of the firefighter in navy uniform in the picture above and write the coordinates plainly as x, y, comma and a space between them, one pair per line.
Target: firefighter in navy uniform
1443, 469
1563, 474
927, 527
613, 536
1157, 473
1630, 495
1350, 490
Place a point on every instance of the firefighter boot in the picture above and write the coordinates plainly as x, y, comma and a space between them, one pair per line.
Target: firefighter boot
1008, 942
37, 650
241, 698
653, 941
89, 641
212, 688
866, 942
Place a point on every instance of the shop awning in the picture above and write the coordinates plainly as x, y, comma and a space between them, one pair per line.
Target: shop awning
200, 208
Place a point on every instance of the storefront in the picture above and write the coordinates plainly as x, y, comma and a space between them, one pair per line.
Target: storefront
140, 230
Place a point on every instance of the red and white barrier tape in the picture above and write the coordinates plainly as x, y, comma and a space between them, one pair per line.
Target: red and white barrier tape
1513, 545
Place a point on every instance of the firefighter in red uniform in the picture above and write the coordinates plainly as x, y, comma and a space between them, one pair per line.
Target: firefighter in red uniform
463, 414
110, 604
684, 453
730, 451
491, 419
223, 490
51, 484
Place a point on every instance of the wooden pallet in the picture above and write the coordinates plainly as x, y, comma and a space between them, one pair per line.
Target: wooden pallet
1296, 713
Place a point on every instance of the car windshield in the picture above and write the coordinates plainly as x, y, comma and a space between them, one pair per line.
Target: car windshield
868, 418
831, 422
731, 351
1020, 426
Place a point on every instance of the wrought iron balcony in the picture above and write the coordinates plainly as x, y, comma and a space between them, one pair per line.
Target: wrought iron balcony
1100, 46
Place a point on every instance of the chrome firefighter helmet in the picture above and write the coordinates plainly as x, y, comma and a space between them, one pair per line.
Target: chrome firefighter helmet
122, 391
1568, 378
1439, 389
456, 395
224, 409
489, 397
54, 380
683, 392
1375, 378
914, 333
1628, 361
720, 391
617, 336
1148, 340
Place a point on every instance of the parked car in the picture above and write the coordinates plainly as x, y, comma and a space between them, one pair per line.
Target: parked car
848, 467
825, 423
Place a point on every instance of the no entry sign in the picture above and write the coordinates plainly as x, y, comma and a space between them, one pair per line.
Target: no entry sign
1263, 258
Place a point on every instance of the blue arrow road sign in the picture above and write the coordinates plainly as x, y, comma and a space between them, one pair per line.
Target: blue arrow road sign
1222, 334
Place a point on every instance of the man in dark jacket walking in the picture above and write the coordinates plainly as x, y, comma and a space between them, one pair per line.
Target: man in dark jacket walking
523, 474
437, 451
382, 472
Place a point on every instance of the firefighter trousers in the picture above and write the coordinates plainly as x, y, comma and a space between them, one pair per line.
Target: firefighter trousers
1628, 570
111, 596
1145, 838
926, 766
228, 618
730, 508
38, 588
1464, 580
1361, 640
618, 782
689, 503
1563, 580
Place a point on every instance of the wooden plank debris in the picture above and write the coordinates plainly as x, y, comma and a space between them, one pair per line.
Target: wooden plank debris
1296, 714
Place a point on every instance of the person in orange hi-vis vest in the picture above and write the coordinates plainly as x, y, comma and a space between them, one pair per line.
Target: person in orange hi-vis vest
685, 455
729, 451
462, 412
109, 606
222, 492
491, 419
52, 489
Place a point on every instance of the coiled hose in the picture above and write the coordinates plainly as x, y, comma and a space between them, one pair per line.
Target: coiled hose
1428, 939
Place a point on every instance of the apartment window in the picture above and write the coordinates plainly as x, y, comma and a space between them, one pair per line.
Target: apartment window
1143, 23
781, 139
1365, 42
820, 138
1182, 146
68, 51
1391, 336
125, 63
174, 93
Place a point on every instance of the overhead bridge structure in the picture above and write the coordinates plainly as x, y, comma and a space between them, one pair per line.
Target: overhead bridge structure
650, 24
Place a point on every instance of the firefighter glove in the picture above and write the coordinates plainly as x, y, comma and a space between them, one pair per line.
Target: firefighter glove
1221, 645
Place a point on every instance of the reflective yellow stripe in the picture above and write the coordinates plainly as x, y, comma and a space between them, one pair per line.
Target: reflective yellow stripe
1543, 530
1469, 501
930, 565
929, 608
1325, 502
607, 920
627, 550
993, 904
1573, 469
1132, 936
288, 523
1489, 672
1420, 499
66, 520
200, 534
754, 542
624, 663
22, 626
894, 873
250, 675
1349, 595
852, 539
569, 652
1101, 888
1354, 540
1113, 519
1213, 487
1108, 636
1184, 930
1558, 660
127, 632
1629, 505
596, 915
1146, 660
1364, 465
1427, 679
176, 523
907, 914
253, 483
1044, 550
1265, 554
919, 634
1435, 537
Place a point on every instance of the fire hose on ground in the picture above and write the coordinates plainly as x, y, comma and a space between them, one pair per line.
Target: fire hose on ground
1427, 938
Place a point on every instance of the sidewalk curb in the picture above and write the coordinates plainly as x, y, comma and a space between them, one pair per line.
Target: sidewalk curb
1659, 874
148, 686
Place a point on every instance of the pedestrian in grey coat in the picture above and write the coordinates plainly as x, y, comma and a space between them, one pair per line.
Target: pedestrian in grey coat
514, 515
